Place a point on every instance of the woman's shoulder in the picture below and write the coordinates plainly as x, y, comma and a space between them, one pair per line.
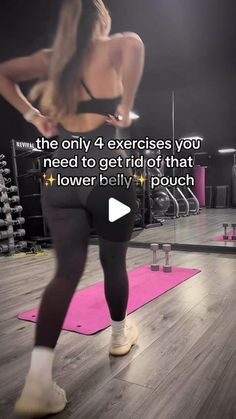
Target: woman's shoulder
116, 43
122, 41
124, 36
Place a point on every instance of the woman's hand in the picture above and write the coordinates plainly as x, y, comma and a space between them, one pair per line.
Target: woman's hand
45, 125
121, 119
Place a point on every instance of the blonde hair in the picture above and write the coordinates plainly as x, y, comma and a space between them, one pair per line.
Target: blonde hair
78, 24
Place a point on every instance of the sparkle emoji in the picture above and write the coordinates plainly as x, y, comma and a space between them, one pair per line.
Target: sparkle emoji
51, 180
142, 180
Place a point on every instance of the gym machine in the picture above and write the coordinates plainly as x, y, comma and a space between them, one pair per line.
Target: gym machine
158, 200
166, 203
194, 206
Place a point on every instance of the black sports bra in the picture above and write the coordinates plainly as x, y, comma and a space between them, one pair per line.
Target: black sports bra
98, 106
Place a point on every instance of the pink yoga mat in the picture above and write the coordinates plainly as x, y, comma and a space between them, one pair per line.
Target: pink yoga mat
88, 312
220, 238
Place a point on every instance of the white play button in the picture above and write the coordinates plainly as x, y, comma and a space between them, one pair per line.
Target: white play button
117, 210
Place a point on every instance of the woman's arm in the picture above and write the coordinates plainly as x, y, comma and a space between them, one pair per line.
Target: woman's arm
127, 53
14, 71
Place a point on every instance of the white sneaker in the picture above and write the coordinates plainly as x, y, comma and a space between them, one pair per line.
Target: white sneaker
121, 344
37, 400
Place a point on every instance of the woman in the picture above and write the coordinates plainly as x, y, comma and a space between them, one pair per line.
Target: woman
88, 83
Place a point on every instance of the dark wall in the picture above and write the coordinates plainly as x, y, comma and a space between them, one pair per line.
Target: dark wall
219, 170
208, 109
24, 29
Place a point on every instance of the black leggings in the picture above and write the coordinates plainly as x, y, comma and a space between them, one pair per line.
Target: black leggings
70, 228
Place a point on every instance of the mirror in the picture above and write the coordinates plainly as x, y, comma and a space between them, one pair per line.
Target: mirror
158, 221
207, 111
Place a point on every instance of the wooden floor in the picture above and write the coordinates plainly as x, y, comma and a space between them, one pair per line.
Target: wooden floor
196, 229
184, 366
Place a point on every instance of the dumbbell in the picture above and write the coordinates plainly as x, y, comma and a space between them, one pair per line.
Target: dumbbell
4, 235
3, 163
5, 210
7, 181
2, 157
6, 248
17, 209
225, 236
6, 223
4, 199
19, 221
167, 249
20, 233
12, 189
5, 171
234, 232
8, 210
21, 245
154, 266
14, 200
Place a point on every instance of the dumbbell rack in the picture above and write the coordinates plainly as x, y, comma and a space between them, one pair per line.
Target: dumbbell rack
25, 155
8, 235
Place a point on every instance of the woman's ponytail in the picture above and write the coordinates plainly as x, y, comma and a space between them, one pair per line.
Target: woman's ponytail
77, 25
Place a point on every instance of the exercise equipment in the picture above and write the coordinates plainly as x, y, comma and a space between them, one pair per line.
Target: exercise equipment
9, 243
179, 205
5, 198
19, 221
160, 202
167, 249
20, 233
194, 206
5, 171
87, 311
7, 181
14, 200
184, 207
12, 189
225, 235
154, 266
10, 248
7, 210
7, 223
234, 232
8, 234
173, 210
158, 199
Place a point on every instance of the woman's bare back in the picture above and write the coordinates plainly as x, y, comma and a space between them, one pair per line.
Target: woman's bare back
103, 80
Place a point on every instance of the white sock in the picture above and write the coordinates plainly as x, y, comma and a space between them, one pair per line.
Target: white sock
41, 364
118, 328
